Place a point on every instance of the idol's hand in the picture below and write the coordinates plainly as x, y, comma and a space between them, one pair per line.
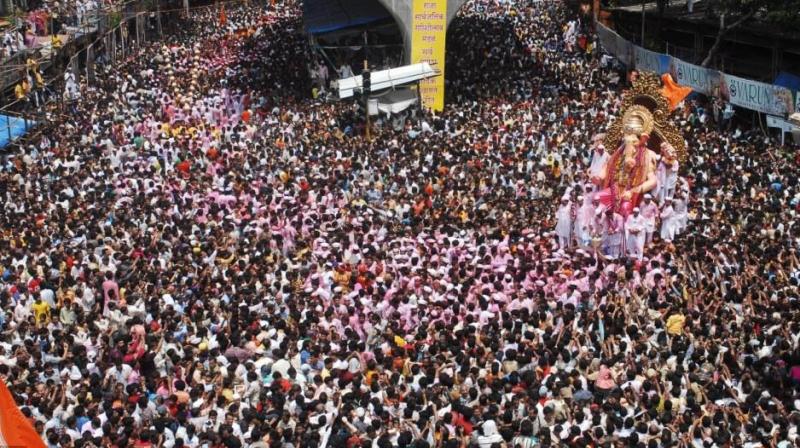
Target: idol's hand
627, 195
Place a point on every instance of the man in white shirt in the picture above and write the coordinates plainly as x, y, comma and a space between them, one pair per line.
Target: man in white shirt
120, 372
635, 234
94, 427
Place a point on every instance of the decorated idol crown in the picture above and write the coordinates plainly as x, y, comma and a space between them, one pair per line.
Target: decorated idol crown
645, 111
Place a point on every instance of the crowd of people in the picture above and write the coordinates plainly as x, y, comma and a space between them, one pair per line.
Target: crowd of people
13, 41
205, 255
31, 20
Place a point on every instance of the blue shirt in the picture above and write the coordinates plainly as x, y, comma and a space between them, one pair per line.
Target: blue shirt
80, 422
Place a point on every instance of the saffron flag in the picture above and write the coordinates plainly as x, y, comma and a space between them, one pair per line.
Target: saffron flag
15, 429
673, 92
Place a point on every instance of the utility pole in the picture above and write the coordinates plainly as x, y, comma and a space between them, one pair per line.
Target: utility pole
643, 2
158, 18
366, 48
366, 85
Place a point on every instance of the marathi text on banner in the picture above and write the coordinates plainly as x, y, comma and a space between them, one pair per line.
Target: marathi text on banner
428, 33
754, 95
700, 79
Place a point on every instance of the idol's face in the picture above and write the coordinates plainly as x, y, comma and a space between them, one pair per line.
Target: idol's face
630, 140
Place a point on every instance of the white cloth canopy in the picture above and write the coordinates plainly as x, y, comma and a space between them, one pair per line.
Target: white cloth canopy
393, 102
385, 79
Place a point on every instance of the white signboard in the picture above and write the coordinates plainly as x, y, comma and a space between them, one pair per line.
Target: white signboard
797, 101
754, 95
650, 61
372, 106
700, 79
780, 123
783, 125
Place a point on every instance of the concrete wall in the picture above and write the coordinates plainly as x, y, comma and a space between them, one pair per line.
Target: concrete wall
452, 8
401, 11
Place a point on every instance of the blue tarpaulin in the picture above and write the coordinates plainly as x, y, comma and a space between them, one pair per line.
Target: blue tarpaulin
11, 128
324, 16
788, 80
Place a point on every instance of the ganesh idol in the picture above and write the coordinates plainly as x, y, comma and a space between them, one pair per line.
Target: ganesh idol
630, 170
634, 144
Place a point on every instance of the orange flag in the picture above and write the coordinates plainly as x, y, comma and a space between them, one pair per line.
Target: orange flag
223, 18
15, 429
672, 91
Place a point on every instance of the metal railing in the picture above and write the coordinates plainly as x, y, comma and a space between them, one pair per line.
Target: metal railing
35, 109
39, 106
74, 28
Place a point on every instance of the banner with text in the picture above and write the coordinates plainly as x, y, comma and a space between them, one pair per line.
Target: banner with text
625, 50
766, 98
700, 79
797, 101
428, 33
615, 44
650, 61
754, 95
607, 39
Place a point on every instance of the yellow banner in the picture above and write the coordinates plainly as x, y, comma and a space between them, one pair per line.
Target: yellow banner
428, 33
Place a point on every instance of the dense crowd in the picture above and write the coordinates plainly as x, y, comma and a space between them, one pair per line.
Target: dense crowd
204, 255
33, 19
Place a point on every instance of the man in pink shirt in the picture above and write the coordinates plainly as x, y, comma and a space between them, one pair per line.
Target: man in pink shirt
110, 285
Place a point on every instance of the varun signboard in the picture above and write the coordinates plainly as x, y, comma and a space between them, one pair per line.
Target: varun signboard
766, 98
700, 79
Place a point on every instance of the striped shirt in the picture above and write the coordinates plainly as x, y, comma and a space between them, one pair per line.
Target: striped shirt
524, 442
